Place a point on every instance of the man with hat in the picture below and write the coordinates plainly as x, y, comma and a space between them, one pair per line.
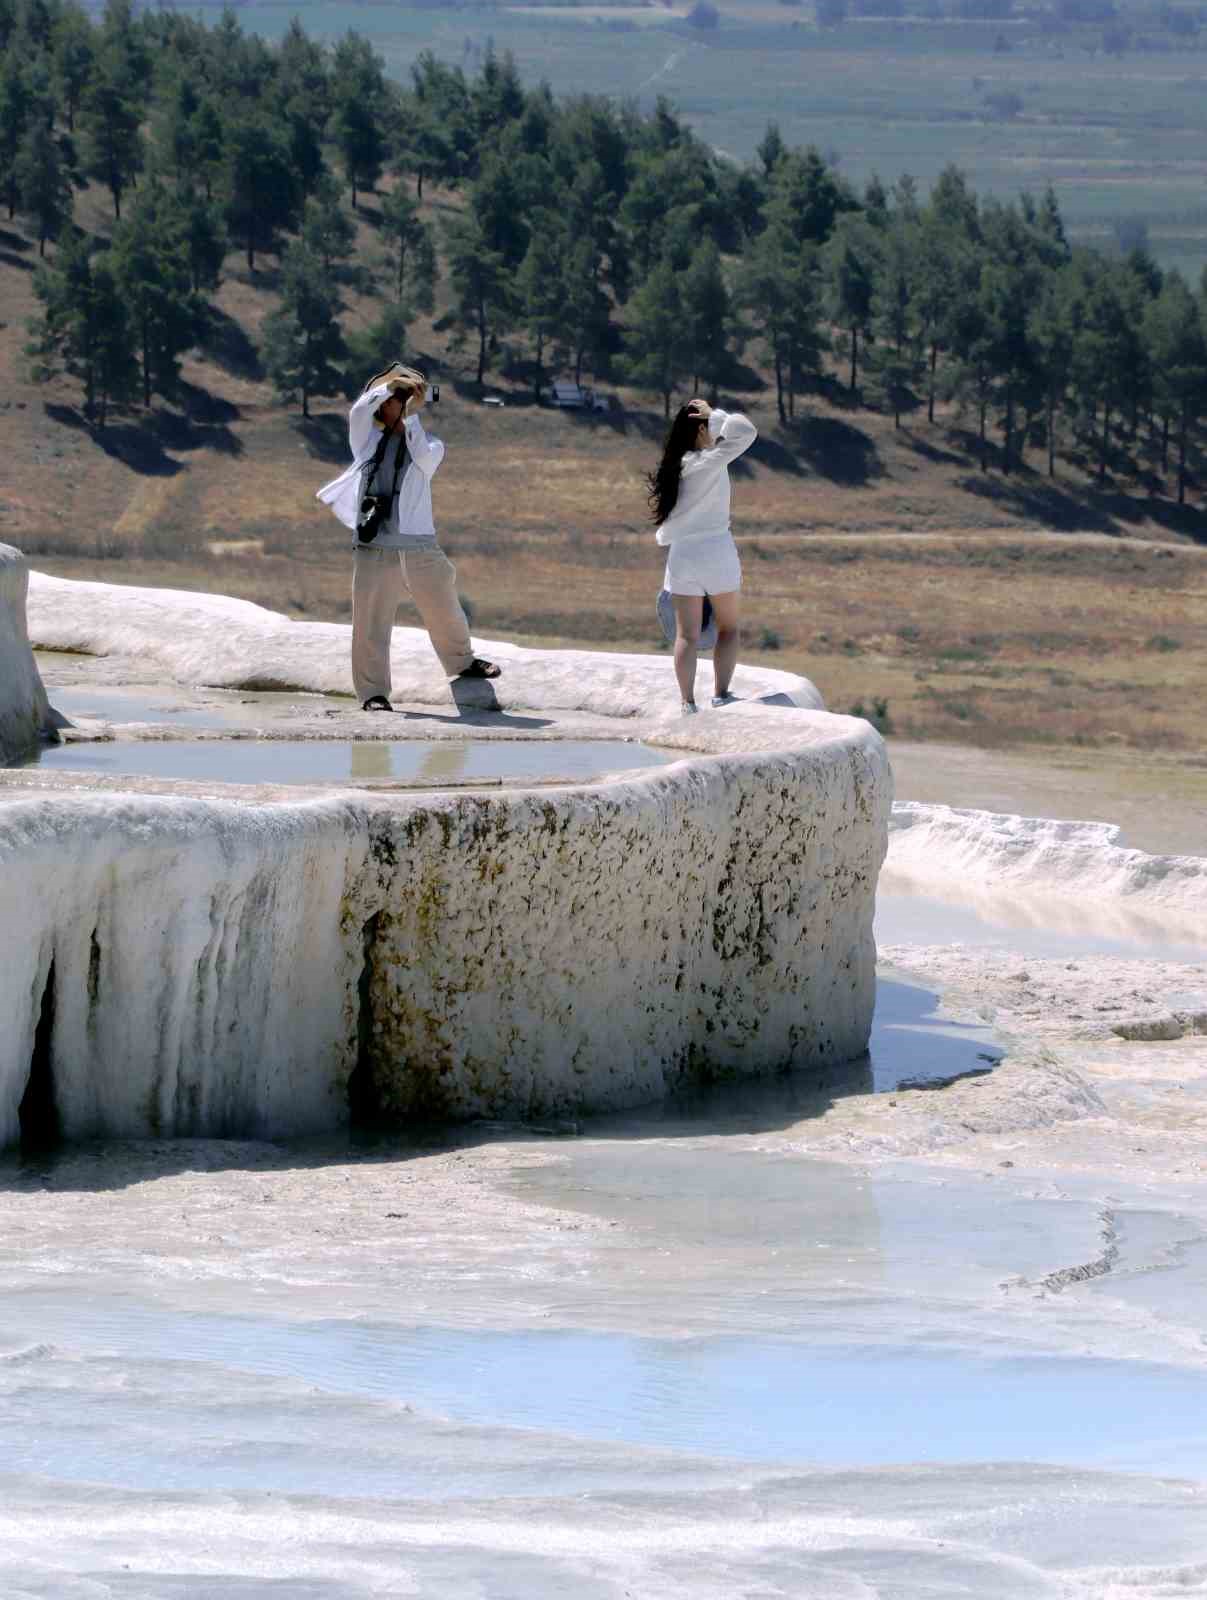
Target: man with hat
385, 497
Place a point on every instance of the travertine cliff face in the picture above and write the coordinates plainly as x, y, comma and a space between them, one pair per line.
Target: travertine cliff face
183, 966
23, 708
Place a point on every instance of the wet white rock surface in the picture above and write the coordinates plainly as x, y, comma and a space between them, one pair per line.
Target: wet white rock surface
204, 956
507, 1362
794, 1339
23, 707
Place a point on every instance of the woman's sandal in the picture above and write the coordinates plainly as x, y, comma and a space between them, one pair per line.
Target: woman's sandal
377, 702
481, 669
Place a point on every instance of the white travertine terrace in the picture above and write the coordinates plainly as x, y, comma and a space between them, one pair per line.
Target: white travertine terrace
221, 642
183, 965
935, 846
23, 708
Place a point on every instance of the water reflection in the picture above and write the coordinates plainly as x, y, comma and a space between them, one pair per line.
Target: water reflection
369, 760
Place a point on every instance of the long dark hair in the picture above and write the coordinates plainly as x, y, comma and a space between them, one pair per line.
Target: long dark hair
664, 482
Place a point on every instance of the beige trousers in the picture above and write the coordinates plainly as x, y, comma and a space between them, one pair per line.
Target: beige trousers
381, 580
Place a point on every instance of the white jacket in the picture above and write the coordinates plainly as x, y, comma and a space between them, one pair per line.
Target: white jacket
702, 509
343, 494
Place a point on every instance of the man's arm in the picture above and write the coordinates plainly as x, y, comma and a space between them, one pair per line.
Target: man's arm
427, 454
360, 419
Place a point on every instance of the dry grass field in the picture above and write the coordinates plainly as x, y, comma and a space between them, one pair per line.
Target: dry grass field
946, 602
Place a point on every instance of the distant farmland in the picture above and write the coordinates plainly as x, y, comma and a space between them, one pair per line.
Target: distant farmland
1122, 136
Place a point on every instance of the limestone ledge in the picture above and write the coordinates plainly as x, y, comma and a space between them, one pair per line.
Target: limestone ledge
23, 707
172, 965
220, 642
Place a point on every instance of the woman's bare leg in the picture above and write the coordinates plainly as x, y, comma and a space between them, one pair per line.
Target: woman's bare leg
689, 614
725, 651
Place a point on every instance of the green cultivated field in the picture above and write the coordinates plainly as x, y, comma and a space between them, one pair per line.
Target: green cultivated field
1120, 136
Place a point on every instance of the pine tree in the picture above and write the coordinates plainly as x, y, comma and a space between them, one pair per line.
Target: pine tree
850, 266
16, 117
482, 286
771, 149
412, 249
261, 193
539, 293
361, 110
974, 369
368, 349
1006, 290
1100, 347
497, 204
584, 304
709, 314
1175, 337
422, 149
44, 184
1051, 339
303, 95
123, 39
762, 290
809, 197
657, 338
327, 229
111, 119
175, 128
84, 329
896, 358
303, 345
151, 266
208, 138
73, 55
205, 240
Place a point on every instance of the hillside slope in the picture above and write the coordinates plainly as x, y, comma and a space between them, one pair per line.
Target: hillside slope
884, 563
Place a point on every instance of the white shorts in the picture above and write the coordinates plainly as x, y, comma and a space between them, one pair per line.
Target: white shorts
703, 566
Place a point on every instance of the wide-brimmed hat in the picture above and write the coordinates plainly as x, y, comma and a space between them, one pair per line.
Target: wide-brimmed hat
666, 616
398, 375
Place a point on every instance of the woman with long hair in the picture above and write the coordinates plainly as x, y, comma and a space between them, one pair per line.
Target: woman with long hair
689, 501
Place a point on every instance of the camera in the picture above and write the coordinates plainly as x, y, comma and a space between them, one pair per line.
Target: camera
432, 394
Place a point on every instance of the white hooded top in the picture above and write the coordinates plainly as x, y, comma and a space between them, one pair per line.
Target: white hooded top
702, 509
343, 494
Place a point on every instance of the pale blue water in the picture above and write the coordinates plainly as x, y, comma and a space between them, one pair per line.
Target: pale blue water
741, 1398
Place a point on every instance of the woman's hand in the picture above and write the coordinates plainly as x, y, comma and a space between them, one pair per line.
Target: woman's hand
415, 399
699, 408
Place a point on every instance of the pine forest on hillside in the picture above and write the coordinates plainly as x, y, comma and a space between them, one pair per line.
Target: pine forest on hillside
589, 237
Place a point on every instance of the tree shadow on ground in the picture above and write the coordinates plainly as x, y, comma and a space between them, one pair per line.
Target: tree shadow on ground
1101, 511
226, 344
131, 443
929, 450
835, 450
1045, 502
325, 436
16, 251
180, 432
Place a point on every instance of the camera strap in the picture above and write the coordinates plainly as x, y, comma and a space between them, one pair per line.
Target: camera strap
374, 466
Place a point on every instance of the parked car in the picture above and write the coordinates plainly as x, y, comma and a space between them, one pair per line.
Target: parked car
570, 396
